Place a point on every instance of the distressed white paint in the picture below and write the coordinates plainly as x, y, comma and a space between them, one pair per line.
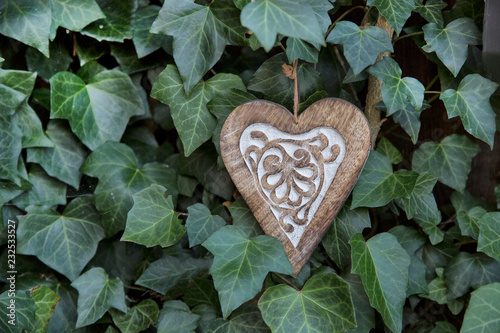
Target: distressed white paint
330, 169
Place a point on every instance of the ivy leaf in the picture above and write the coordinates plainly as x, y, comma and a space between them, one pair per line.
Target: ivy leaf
24, 312
471, 101
386, 148
411, 240
482, 312
298, 49
72, 15
243, 218
437, 288
323, 305
450, 43
241, 264
409, 119
201, 224
191, 117
378, 185
10, 145
27, 21
31, 127
382, 264
45, 191
450, 160
164, 273
119, 178
97, 294
435, 256
62, 161
421, 206
64, 242
137, 318
395, 11
45, 302
467, 8
468, 221
431, 11
246, 319
145, 42
202, 164
97, 111
152, 220
397, 91
363, 312
347, 223
489, 235
466, 271
267, 19
176, 317
46, 67
466, 201
276, 87
198, 48
118, 22
202, 291
361, 47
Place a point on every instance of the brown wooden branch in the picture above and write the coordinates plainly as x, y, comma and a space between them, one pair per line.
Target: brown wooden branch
374, 94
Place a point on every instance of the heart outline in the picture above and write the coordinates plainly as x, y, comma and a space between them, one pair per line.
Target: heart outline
338, 114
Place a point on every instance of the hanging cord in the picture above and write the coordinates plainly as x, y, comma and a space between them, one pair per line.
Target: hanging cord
291, 73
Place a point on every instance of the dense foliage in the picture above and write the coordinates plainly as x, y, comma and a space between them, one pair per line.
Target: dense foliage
126, 220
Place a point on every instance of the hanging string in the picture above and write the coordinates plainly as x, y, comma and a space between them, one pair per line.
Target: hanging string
291, 73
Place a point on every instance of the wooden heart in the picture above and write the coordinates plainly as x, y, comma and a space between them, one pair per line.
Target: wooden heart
295, 177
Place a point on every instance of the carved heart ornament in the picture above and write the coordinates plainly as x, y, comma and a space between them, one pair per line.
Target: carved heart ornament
295, 177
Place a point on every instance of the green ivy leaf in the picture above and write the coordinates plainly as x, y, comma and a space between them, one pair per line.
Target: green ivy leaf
27, 21
397, 91
431, 11
246, 319
241, 264
444, 327
64, 242
145, 42
21, 81
10, 145
137, 318
378, 184
46, 67
361, 47
382, 264
118, 22
471, 101
202, 291
437, 288
386, 148
395, 11
323, 305
468, 221
201, 224
298, 49
450, 43
164, 273
152, 220
62, 161
198, 48
364, 313
119, 178
243, 218
489, 235
466, 271
45, 302
24, 312
466, 201
97, 293
31, 127
276, 87
267, 19
467, 8
421, 206
177, 317
191, 117
435, 256
97, 111
450, 160
45, 190
409, 119
482, 312
347, 223
73, 15
411, 240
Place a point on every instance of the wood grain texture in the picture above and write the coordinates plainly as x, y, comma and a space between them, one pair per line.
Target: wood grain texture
338, 114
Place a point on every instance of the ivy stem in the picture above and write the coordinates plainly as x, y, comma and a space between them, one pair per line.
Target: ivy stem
180, 213
342, 64
465, 242
407, 35
432, 92
286, 281
433, 98
136, 288
347, 12
429, 86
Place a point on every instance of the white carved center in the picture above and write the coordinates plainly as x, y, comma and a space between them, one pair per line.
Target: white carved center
292, 171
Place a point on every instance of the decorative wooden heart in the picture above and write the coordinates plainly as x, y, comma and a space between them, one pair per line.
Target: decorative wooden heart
295, 177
